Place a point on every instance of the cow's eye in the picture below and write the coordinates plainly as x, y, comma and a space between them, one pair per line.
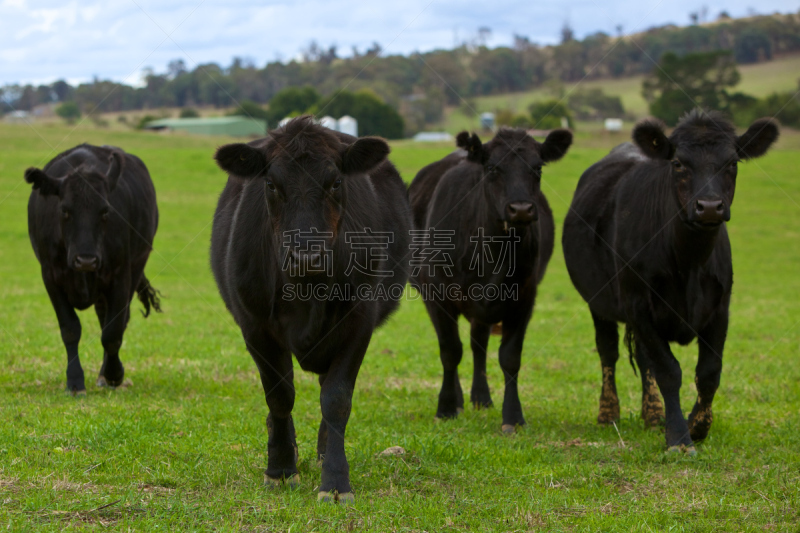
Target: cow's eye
65, 214
734, 165
336, 184
104, 215
678, 166
270, 185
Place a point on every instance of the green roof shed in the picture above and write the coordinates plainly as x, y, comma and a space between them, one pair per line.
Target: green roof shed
236, 126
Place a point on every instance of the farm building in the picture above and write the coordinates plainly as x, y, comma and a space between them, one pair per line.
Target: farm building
236, 126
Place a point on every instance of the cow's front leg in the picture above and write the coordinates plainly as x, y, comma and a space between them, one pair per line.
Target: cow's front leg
510, 362
336, 398
117, 310
480, 396
70, 326
277, 377
711, 342
445, 322
667, 372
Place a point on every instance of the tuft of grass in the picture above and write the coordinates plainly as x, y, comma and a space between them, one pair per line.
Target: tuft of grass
184, 446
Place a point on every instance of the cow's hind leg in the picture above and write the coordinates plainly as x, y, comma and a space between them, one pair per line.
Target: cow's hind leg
711, 342
479, 339
277, 378
322, 434
70, 326
451, 397
652, 408
606, 337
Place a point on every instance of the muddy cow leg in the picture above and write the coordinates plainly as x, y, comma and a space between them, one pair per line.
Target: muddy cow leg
479, 339
277, 377
651, 347
606, 336
652, 408
70, 326
116, 320
510, 362
451, 397
336, 397
711, 342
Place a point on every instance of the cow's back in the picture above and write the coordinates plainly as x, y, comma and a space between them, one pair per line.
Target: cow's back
588, 235
421, 190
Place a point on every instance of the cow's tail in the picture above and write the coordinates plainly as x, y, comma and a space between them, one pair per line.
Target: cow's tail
630, 344
148, 296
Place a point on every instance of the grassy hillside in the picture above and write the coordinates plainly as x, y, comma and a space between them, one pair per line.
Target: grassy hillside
184, 446
760, 79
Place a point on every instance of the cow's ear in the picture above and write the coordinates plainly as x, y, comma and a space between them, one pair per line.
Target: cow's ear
474, 147
364, 155
115, 164
241, 160
650, 138
42, 182
555, 145
757, 139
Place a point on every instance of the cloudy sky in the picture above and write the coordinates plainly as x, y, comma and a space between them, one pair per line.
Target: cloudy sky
45, 40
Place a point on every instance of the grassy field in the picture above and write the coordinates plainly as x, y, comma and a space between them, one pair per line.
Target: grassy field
760, 79
184, 446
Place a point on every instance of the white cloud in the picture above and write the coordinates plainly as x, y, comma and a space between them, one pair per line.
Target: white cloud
48, 39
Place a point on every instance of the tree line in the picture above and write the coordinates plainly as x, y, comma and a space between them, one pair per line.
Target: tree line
420, 85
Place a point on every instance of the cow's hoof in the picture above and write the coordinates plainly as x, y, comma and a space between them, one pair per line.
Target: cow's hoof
448, 416
691, 451
336, 497
77, 393
292, 481
508, 429
104, 383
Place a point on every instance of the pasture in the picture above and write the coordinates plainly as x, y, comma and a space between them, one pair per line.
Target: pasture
758, 79
183, 445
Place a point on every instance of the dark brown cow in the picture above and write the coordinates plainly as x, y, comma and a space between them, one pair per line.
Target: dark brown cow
92, 216
646, 244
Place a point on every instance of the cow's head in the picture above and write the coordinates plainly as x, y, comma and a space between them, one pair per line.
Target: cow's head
305, 170
703, 154
83, 208
512, 166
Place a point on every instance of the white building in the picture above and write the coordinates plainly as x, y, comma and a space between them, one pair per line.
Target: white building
348, 125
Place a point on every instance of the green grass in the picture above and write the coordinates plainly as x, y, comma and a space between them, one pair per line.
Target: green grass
760, 79
184, 447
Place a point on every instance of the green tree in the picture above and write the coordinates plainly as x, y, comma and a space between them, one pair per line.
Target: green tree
547, 115
595, 104
374, 116
681, 83
69, 111
248, 108
189, 112
291, 100
752, 45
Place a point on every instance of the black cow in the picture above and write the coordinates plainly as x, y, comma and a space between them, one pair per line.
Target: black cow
483, 207
92, 217
646, 244
307, 250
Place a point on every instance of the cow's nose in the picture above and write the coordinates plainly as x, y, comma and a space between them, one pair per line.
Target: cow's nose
312, 259
710, 211
521, 212
86, 263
